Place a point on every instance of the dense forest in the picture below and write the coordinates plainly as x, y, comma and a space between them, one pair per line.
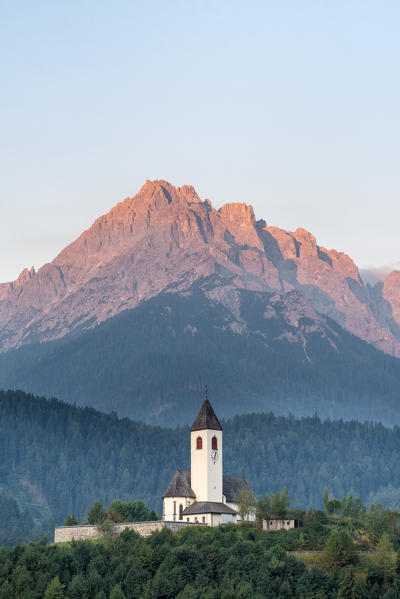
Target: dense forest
152, 363
227, 562
58, 459
198, 563
16, 525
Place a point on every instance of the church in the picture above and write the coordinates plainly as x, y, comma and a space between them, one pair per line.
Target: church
204, 495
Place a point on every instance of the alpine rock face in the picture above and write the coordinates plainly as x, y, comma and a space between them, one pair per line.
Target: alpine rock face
165, 239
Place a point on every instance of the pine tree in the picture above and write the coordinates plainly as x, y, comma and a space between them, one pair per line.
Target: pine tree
117, 593
55, 590
71, 520
96, 514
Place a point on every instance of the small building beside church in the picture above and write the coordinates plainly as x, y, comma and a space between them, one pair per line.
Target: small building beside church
204, 495
276, 523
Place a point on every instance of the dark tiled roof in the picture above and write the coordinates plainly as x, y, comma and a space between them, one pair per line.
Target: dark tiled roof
232, 485
208, 507
206, 418
180, 485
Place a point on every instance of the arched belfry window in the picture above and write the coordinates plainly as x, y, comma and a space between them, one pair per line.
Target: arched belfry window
199, 443
214, 443
180, 511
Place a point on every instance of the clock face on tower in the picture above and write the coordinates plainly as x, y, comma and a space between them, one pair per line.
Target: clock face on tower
214, 455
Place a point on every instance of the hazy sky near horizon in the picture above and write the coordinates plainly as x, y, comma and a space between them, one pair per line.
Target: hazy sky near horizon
292, 107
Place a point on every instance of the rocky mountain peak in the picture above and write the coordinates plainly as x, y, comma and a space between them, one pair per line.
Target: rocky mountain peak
240, 221
159, 188
166, 238
25, 275
392, 278
391, 294
305, 236
239, 213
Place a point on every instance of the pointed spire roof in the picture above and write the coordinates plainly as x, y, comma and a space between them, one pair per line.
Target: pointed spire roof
206, 418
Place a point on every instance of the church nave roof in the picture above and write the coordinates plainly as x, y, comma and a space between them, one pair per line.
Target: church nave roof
180, 485
232, 485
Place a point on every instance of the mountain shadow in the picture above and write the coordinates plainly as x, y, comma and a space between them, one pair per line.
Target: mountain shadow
273, 353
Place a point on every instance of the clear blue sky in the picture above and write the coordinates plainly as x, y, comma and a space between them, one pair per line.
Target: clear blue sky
292, 107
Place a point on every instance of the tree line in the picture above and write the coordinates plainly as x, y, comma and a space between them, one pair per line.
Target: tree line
117, 511
71, 457
227, 562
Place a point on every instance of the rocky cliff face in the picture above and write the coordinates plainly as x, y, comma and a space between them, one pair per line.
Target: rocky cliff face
391, 294
165, 239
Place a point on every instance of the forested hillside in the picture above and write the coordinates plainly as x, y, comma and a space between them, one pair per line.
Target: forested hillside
152, 363
16, 525
226, 562
198, 563
70, 457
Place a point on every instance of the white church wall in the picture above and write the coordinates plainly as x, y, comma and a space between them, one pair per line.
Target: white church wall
171, 508
210, 519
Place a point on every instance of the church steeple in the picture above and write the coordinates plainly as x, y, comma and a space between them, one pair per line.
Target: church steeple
206, 455
206, 418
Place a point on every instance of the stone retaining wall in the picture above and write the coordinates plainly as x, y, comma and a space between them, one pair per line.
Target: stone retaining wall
90, 532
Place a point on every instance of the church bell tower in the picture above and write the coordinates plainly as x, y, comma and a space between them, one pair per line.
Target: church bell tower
206, 455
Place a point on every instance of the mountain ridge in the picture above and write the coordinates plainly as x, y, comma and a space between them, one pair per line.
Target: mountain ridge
166, 238
259, 351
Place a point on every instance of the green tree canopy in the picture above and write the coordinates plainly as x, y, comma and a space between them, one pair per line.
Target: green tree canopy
132, 511
339, 550
96, 514
246, 504
117, 593
280, 503
385, 557
54, 590
275, 503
